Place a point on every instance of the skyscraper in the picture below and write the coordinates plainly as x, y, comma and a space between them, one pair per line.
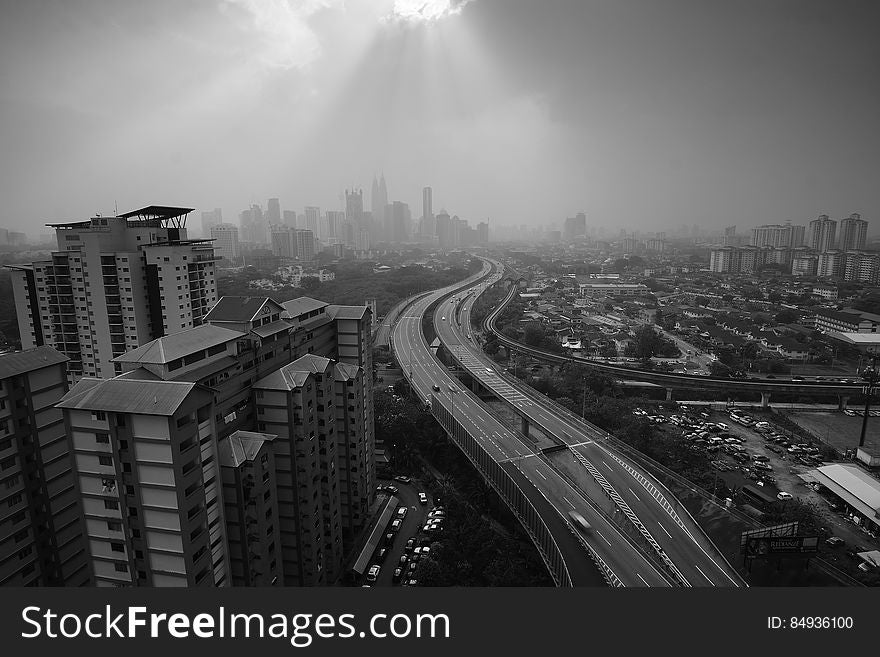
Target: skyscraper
273, 214
428, 230
290, 218
313, 220
210, 219
444, 230
821, 234
378, 203
575, 227
400, 222
225, 238
853, 233
113, 284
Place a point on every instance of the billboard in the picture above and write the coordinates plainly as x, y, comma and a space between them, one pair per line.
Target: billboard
758, 547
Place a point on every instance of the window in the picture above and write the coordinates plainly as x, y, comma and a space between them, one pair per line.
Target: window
99, 415
105, 460
117, 547
121, 567
15, 499
111, 504
114, 525
102, 438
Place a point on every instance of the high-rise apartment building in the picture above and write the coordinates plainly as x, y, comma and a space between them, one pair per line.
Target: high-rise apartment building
335, 220
821, 235
283, 243
483, 233
41, 524
862, 268
113, 284
831, 264
778, 235
444, 230
281, 397
304, 241
225, 238
853, 233
146, 463
401, 220
290, 218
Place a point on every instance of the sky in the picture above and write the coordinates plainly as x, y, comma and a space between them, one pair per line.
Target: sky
644, 114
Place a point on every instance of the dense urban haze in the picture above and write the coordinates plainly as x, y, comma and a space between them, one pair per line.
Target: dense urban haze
641, 114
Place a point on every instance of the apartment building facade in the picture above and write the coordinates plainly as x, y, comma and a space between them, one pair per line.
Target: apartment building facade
113, 284
40, 515
299, 372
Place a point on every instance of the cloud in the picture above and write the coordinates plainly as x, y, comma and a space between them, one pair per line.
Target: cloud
285, 38
426, 10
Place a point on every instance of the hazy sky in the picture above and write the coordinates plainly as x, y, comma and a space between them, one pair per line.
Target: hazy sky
643, 114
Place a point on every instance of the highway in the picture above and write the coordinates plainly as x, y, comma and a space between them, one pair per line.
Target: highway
663, 523
551, 493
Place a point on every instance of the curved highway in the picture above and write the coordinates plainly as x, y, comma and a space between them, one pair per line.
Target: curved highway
551, 493
595, 467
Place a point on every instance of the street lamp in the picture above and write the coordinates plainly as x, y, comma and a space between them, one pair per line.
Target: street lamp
872, 377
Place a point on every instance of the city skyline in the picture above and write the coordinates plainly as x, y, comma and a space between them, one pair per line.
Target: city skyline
645, 115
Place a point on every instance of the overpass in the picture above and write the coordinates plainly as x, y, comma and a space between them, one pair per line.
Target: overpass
539, 494
588, 458
671, 381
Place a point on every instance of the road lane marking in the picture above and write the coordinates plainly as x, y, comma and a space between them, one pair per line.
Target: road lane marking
634, 494
607, 541
643, 579
540, 475
607, 466
704, 574
569, 501
664, 529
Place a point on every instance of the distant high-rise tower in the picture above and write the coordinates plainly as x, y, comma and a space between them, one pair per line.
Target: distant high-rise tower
313, 220
210, 219
290, 218
427, 227
274, 211
444, 230
853, 233
225, 238
575, 227
821, 234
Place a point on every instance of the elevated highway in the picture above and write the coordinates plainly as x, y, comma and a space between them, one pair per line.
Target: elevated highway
539, 494
583, 456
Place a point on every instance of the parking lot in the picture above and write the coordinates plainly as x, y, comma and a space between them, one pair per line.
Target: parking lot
752, 450
396, 550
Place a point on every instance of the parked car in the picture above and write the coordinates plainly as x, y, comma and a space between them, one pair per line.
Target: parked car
401, 512
396, 525
834, 541
373, 573
782, 495
423, 499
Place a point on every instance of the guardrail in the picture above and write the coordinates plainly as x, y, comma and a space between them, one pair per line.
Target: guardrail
513, 496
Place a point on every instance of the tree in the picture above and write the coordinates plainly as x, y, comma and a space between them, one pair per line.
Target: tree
786, 316
534, 334
309, 283
719, 369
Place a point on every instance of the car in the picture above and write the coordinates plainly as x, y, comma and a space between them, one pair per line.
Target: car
402, 479
834, 541
411, 568
782, 495
423, 550
423, 499
398, 573
410, 544
489, 370
401, 512
373, 573
404, 558
579, 521
411, 582
443, 318
762, 466
395, 526
435, 388
381, 554
389, 539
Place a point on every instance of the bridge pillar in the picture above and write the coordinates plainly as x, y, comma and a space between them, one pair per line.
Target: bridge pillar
668, 394
765, 399
525, 425
844, 399
475, 385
